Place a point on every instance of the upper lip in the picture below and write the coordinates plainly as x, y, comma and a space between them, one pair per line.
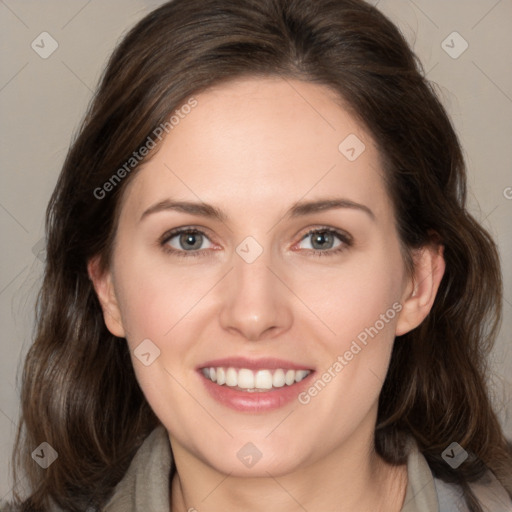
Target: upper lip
263, 363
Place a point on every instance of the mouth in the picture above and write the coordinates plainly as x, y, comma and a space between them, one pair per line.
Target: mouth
256, 386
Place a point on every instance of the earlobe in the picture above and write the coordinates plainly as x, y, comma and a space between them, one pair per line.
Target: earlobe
421, 290
104, 288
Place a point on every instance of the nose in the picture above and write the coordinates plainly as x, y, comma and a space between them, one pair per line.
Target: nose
256, 303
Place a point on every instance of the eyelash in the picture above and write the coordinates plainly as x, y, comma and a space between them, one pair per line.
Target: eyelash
343, 237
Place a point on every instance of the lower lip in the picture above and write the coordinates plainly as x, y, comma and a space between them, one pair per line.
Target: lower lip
257, 401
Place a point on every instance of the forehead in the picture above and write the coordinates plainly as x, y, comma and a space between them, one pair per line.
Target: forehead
263, 142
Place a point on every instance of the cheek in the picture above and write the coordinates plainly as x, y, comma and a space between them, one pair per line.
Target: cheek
355, 360
356, 296
159, 303
155, 296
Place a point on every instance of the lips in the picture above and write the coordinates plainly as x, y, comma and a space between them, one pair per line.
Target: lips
254, 385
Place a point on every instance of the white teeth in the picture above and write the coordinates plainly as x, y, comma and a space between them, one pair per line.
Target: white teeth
263, 379
289, 378
245, 379
300, 374
251, 381
231, 377
278, 378
221, 376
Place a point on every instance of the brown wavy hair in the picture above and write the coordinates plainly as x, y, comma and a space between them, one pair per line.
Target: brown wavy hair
79, 391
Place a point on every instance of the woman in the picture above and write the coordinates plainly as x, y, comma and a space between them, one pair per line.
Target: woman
193, 351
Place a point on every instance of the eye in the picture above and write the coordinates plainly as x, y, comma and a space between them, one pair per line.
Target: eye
323, 240
187, 242
184, 242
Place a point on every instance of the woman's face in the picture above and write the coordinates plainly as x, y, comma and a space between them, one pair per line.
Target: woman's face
253, 290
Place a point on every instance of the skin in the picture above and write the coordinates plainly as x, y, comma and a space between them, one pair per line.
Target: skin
253, 147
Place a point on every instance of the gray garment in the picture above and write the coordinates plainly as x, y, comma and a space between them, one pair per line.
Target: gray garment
145, 487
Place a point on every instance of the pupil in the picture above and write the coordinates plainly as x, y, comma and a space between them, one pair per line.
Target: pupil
321, 238
189, 240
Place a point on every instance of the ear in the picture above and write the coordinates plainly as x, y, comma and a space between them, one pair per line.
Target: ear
421, 289
104, 287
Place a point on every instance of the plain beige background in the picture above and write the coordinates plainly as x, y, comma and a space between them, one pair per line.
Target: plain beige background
42, 101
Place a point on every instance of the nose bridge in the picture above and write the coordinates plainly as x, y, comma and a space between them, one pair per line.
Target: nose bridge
252, 269
255, 304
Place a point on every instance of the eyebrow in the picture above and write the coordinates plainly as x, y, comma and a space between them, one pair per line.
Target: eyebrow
300, 208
